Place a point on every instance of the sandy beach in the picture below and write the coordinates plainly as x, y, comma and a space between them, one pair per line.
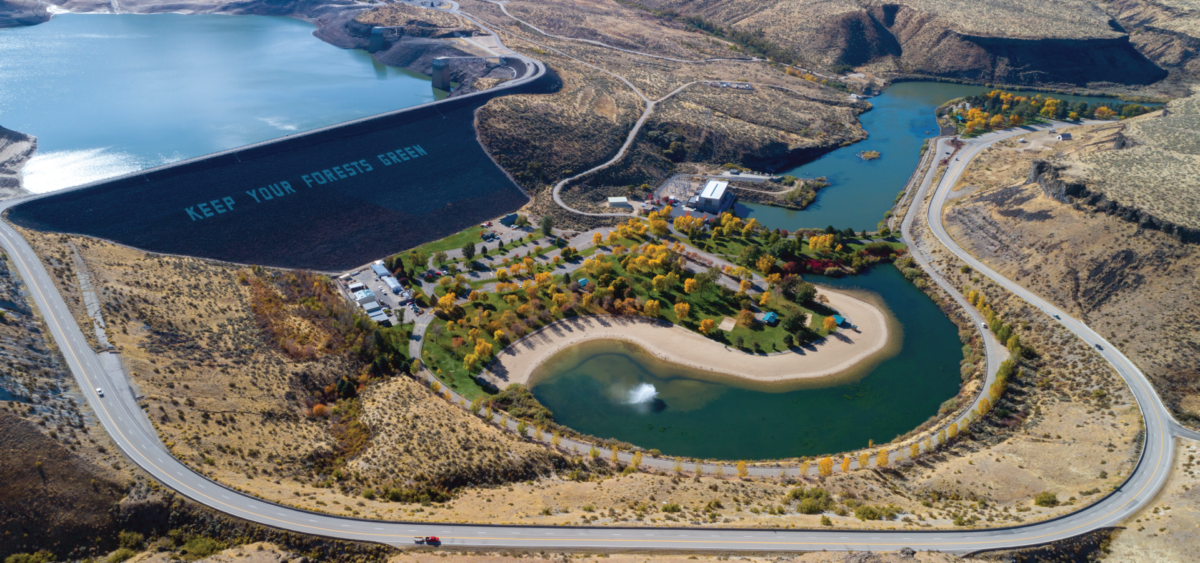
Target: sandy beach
832, 355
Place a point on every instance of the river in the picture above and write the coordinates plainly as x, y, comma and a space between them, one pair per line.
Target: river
862, 191
111, 94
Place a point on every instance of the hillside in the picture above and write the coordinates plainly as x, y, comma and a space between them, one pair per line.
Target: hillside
999, 41
1127, 282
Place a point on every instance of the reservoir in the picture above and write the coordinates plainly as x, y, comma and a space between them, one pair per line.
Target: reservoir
111, 94
861, 192
616, 390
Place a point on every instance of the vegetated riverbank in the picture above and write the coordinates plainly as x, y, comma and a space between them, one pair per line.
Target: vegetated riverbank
826, 359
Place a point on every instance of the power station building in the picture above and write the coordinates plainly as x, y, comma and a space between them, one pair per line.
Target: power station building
714, 198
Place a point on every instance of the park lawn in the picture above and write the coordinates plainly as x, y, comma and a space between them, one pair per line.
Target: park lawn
446, 361
711, 304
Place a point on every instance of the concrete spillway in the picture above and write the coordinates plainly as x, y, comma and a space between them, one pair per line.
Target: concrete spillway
328, 199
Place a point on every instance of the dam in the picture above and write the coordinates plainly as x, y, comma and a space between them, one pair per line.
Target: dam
328, 199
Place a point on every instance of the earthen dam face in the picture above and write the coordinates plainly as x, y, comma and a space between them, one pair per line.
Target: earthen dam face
329, 200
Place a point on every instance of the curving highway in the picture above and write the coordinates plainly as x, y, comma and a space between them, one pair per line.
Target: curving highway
133, 433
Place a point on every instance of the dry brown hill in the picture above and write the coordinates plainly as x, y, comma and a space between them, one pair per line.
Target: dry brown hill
1002, 41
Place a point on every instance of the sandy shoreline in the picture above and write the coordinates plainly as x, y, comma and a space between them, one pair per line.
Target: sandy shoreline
833, 355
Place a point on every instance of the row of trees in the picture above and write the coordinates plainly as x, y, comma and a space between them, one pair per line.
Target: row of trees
998, 109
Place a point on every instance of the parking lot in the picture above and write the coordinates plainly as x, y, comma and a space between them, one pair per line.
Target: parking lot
397, 312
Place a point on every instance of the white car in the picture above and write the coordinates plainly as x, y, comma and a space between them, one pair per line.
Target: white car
100, 391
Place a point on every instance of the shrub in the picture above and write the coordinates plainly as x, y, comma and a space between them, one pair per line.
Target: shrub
868, 512
132, 540
122, 554
1046, 498
369, 494
671, 508
42, 556
809, 506
201, 547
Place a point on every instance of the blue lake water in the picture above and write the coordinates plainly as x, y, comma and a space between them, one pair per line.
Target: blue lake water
112, 94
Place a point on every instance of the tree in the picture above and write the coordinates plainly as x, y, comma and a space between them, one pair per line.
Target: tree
830, 324
440, 258
706, 326
1015, 120
825, 466
447, 302
468, 251
597, 238
1104, 112
660, 283
765, 263
651, 308
522, 428
470, 361
795, 321
690, 286
682, 310
764, 298
997, 122
864, 460
881, 460
744, 286
636, 461
745, 317
742, 470
845, 464
594, 453
1014, 342
914, 450
547, 225
615, 454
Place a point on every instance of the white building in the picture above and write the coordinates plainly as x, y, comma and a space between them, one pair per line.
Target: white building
715, 197
618, 202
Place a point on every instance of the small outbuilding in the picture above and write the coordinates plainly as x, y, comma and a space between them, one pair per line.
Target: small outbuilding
508, 220
1064, 136
619, 202
839, 319
770, 318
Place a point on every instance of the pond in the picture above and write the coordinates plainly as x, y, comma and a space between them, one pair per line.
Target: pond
616, 390
111, 94
862, 191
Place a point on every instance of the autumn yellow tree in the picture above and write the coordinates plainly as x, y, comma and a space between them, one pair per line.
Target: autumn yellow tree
1015, 120
953, 430
651, 308
597, 239
984, 405
765, 263
447, 302
742, 470
881, 459
830, 324
745, 317
706, 326
1104, 112
690, 286
914, 450
845, 464
825, 466
470, 361
744, 286
637, 460
764, 298
997, 122
682, 310
864, 460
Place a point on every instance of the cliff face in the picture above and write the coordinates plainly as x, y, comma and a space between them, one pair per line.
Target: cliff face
1048, 178
15, 150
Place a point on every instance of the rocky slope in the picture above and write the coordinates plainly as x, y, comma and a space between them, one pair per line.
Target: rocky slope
15, 150
1128, 281
15, 13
